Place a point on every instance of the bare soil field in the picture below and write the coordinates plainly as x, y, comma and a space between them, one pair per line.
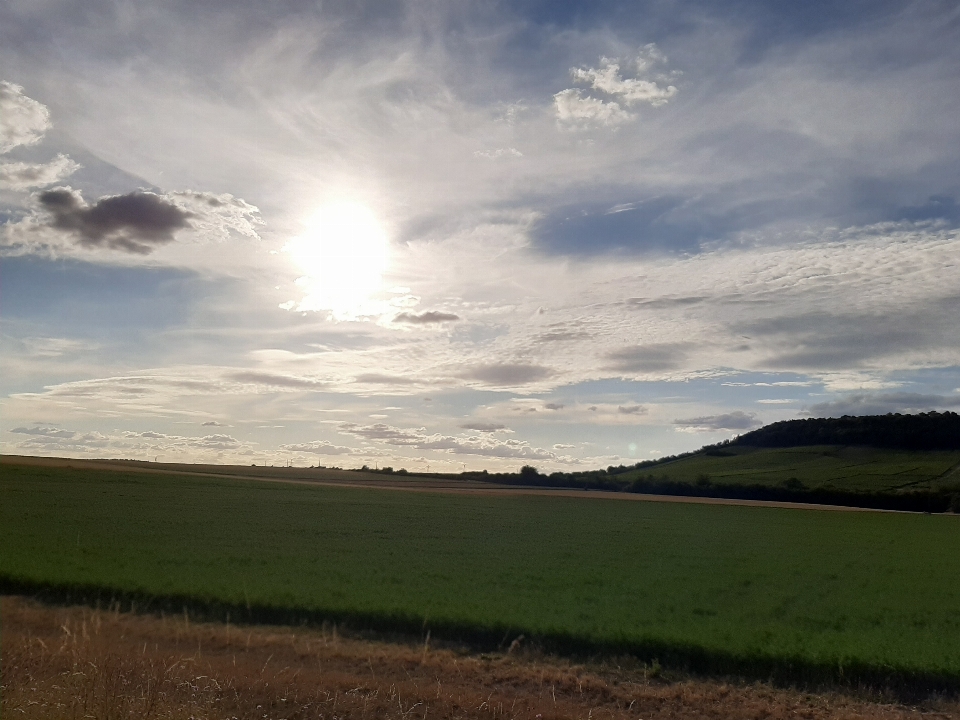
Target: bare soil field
330, 477
79, 662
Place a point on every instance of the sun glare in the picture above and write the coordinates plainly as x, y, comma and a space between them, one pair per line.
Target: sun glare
343, 255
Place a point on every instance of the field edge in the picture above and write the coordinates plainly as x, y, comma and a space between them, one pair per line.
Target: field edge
903, 683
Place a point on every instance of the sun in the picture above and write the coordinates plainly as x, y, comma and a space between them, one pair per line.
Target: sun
343, 255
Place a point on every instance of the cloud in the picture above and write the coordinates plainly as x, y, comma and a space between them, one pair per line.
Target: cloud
483, 427
737, 420
425, 318
136, 223
22, 176
553, 406
631, 410
47, 432
498, 153
651, 358
606, 79
275, 380
213, 423
23, 121
881, 404
508, 374
384, 379
665, 303
419, 439
318, 447
575, 109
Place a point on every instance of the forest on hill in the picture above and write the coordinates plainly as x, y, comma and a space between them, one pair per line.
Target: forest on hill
923, 431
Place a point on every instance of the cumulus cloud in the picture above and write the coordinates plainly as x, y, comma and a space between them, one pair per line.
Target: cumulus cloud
737, 420
23, 120
607, 79
318, 447
162, 441
430, 317
23, 176
46, 432
575, 108
42, 439
882, 403
136, 223
419, 439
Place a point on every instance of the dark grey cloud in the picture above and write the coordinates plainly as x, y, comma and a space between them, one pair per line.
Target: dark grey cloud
483, 427
553, 406
667, 303
508, 374
431, 317
383, 379
737, 420
837, 341
631, 410
277, 380
655, 357
137, 222
879, 403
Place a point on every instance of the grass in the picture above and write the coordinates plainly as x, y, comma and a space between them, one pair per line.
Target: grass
68, 663
856, 469
784, 592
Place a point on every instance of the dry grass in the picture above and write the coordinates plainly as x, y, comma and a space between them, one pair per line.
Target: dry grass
83, 663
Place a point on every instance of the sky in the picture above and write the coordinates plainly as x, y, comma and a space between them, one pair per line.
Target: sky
471, 235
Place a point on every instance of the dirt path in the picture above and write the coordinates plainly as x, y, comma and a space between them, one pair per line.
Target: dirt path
80, 662
412, 483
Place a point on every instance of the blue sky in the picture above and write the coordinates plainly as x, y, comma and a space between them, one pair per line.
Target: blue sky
471, 235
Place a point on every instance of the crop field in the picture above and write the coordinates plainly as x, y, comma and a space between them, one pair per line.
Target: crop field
762, 591
857, 469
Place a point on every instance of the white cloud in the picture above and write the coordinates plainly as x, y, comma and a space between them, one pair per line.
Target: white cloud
419, 439
22, 175
574, 108
319, 447
23, 120
630, 91
498, 153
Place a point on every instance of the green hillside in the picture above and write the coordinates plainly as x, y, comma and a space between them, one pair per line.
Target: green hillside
854, 469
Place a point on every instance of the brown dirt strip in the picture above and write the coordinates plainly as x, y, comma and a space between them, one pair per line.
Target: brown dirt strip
412, 483
83, 663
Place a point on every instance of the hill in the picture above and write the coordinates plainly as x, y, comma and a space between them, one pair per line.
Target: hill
924, 431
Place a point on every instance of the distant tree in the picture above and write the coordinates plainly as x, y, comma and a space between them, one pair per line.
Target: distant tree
528, 473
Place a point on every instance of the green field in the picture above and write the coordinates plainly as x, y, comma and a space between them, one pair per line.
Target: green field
857, 469
758, 590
